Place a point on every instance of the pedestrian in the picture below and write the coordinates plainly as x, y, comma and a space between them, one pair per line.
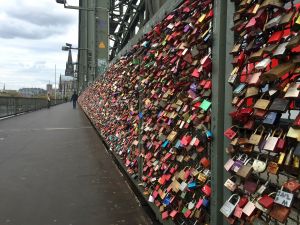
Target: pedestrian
74, 99
48, 101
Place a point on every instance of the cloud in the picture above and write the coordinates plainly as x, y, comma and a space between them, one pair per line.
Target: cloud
47, 18
33, 19
31, 35
20, 29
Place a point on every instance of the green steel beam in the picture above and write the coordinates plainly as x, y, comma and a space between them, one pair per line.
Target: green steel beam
218, 104
228, 89
168, 7
101, 44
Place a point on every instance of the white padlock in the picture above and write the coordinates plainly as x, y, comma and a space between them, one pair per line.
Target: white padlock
230, 205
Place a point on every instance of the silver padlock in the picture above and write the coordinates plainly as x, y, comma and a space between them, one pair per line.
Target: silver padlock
230, 205
284, 198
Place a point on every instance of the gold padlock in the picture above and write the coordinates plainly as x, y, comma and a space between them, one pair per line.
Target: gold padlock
202, 177
281, 158
289, 158
296, 162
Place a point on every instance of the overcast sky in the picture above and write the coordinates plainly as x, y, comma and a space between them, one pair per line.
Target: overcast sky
31, 35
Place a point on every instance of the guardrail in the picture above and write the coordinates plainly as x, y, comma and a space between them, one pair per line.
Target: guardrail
14, 105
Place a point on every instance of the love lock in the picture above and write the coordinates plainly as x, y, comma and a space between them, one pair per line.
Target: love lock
230, 205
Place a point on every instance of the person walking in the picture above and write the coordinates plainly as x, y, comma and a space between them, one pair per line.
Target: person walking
48, 101
74, 99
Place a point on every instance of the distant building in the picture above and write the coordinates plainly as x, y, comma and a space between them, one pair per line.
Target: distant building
49, 88
9, 93
31, 92
66, 86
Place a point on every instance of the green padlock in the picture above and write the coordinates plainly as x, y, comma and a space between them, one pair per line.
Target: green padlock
136, 61
205, 105
184, 210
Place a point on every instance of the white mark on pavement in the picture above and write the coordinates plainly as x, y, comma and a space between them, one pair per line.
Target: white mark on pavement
66, 128
46, 129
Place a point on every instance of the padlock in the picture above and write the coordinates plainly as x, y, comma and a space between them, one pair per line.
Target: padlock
256, 137
199, 203
230, 205
239, 163
250, 186
246, 169
183, 194
284, 198
205, 162
249, 208
289, 157
202, 177
281, 158
243, 201
229, 163
151, 198
296, 162
183, 186
167, 200
266, 200
292, 185
191, 205
192, 185
206, 189
231, 132
259, 166
205, 202
173, 213
197, 213
238, 212
209, 135
230, 183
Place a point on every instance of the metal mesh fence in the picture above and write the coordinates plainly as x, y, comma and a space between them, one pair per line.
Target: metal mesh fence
15, 105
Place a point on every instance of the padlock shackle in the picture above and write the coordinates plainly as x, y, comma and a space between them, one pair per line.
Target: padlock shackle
234, 195
260, 129
272, 193
247, 161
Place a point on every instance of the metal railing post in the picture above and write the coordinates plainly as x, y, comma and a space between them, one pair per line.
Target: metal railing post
140, 126
218, 104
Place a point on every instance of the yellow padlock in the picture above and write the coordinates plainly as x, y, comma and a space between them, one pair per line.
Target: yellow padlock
296, 162
281, 158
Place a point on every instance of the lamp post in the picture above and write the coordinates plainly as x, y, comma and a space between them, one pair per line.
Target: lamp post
68, 47
64, 2
92, 37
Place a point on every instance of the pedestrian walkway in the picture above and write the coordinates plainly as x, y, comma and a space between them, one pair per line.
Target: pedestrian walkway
54, 170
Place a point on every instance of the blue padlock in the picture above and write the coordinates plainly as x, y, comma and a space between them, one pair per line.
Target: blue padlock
178, 144
208, 134
165, 144
167, 200
205, 202
192, 185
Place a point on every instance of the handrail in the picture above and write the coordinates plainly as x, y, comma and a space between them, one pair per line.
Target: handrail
10, 106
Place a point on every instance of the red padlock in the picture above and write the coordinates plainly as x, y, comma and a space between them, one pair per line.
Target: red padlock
206, 189
243, 201
231, 132
267, 201
205, 162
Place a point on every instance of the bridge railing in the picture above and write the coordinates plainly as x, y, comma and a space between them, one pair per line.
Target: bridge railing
14, 105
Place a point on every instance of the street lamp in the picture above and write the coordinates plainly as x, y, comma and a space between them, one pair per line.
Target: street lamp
64, 2
68, 47
95, 54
